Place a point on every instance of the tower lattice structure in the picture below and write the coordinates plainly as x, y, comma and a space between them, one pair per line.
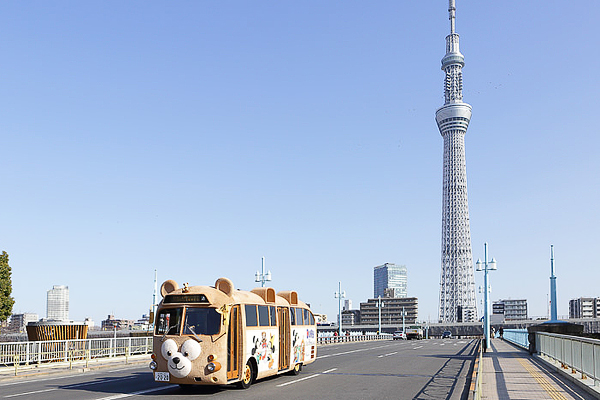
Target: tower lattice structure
457, 283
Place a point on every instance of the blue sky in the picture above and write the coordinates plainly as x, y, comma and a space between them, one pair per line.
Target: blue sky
195, 137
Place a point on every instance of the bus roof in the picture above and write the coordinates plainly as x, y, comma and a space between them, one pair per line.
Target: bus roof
224, 293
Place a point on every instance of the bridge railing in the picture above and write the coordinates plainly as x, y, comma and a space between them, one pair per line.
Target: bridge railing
20, 354
580, 354
517, 336
352, 338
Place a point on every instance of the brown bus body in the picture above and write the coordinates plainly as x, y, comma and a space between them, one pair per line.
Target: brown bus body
217, 335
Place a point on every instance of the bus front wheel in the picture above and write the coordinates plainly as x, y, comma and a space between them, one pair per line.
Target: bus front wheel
247, 376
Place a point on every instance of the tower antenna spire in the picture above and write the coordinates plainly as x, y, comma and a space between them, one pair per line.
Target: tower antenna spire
452, 14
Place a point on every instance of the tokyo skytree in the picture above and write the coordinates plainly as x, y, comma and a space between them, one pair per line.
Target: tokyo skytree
457, 283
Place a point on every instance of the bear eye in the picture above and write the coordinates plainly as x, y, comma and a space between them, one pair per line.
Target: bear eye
169, 353
186, 354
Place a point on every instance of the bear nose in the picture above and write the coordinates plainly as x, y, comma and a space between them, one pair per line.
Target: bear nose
176, 360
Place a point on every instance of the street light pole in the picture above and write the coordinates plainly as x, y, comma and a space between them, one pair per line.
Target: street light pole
403, 326
486, 266
340, 295
379, 305
262, 277
553, 304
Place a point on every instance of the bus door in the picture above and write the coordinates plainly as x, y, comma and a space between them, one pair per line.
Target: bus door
234, 344
284, 337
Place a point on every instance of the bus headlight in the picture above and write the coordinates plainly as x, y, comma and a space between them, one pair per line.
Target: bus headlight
153, 365
213, 366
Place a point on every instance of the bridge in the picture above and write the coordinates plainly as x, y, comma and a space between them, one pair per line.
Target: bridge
367, 369
460, 329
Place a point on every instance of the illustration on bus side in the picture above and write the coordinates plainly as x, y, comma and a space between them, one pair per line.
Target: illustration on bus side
218, 335
264, 350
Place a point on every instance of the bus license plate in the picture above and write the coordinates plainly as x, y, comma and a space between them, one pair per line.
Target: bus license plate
161, 376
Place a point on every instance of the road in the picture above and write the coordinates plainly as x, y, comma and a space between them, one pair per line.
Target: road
425, 369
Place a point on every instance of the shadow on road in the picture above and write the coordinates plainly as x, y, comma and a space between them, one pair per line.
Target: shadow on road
453, 379
143, 383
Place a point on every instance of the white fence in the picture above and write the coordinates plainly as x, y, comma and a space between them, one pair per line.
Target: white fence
28, 353
352, 338
580, 354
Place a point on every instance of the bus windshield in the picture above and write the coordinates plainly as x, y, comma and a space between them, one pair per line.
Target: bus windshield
168, 320
198, 321
201, 321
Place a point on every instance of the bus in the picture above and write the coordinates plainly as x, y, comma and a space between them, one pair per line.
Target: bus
205, 335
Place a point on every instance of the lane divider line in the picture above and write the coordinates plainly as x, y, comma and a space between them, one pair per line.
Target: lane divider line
301, 379
123, 395
28, 393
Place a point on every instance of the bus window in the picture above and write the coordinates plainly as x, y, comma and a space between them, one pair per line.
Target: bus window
273, 316
309, 319
201, 321
299, 316
251, 319
293, 315
306, 317
167, 321
263, 315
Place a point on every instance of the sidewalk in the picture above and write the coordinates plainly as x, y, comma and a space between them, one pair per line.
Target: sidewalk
24, 371
511, 373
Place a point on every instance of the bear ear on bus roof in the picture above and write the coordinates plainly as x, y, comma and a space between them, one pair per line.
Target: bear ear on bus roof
225, 286
168, 287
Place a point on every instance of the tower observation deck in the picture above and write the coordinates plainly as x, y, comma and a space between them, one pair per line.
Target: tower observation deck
457, 283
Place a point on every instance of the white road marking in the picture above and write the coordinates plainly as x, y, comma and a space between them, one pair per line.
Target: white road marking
301, 379
352, 351
70, 386
28, 393
38, 380
388, 354
122, 395
418, 347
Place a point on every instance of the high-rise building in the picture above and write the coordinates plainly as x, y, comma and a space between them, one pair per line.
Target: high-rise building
390, 276
584, 307
457, 283
57, 306
347, 305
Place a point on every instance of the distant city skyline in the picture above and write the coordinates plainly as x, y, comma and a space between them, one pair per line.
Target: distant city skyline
196, 137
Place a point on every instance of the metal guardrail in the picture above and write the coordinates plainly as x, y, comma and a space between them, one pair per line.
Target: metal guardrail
517, 337
19, 354
580, 354
352, 338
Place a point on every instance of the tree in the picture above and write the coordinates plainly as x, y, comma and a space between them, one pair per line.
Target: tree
6, 301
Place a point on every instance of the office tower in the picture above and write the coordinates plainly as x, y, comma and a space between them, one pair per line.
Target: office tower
457, 283
389, 276
57, 307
